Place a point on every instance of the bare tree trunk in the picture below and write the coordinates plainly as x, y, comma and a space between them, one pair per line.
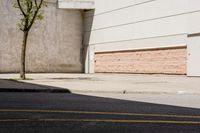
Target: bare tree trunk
23, 56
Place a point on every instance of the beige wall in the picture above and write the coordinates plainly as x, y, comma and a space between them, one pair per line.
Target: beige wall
161, 61
76, 4
142, 25
54, 44
136, 19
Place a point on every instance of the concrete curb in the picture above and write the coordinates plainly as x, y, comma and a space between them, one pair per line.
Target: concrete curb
133, 92
34, 90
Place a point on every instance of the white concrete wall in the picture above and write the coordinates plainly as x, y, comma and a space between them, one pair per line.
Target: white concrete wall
193, 56
139, 19
76, 4
194, 17
193, 42
140, 24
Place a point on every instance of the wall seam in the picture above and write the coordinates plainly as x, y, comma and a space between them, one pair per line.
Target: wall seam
141, 21
121, 8
138, 39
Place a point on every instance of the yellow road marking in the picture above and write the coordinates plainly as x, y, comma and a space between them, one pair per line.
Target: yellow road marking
97, 113
14, 120
102, 120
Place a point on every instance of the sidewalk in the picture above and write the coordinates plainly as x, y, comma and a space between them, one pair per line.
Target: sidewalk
116, 83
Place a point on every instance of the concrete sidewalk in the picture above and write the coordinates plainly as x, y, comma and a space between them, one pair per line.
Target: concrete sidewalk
116, 83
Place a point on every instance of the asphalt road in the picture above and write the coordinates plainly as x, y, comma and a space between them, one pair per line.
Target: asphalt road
66, 112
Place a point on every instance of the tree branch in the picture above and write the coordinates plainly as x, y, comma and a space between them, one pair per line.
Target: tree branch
31, 6
36, 3
35, 14
41, 1
27, 6
20, 7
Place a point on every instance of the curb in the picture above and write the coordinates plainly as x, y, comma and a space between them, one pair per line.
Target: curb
134, 92
58, 90
34, 90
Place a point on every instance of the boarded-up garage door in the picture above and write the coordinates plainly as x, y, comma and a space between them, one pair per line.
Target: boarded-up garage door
166, 61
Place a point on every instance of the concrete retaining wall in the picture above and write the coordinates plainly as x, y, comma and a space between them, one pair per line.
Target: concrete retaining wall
54, 44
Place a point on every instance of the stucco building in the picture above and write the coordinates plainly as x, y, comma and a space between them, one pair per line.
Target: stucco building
118, 36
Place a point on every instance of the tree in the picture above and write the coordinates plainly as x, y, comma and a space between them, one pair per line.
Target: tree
30, 12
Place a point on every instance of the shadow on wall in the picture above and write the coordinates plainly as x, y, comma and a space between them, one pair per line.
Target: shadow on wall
88, 16
17, 86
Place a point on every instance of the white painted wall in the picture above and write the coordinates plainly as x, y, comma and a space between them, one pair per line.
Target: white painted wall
76, 4
193, 67
102, 6
147, 29
149, 43
137, 19
89, 62
139, 24
137, 13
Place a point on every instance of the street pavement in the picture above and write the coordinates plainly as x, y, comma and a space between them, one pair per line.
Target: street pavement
77, 103
72, 113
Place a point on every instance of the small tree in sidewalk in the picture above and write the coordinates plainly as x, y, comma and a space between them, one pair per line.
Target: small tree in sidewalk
30, 12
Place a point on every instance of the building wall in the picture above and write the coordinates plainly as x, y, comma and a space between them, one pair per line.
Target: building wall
141, 24
54, 44
132, 20
115, 26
